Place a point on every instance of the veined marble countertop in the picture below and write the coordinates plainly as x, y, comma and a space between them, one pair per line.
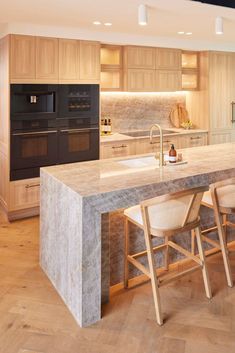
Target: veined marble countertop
118, 136
76, 200
106, 175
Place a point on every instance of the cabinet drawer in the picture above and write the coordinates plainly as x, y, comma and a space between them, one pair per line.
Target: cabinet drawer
117, 149
144, 145
193, 140
24, 194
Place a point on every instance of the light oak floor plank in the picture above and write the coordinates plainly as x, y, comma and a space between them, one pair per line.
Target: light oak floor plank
34, 319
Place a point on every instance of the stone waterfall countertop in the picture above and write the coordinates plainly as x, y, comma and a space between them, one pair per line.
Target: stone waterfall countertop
104, 176
118, 136
76, 200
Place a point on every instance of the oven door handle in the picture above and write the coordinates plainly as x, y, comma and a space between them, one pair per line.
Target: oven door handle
71, 131
34, 133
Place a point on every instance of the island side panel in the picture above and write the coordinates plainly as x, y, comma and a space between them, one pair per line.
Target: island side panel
61, 241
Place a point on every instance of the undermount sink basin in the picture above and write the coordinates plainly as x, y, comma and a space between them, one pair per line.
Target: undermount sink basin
142, 162
148, 162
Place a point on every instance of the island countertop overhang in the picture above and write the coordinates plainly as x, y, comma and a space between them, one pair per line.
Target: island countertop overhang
90, 179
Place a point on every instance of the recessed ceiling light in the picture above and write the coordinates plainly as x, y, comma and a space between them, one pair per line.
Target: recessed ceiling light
108, 24
180, 32
97, 23
188, 33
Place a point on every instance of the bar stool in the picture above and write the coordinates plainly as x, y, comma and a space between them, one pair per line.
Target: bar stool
165, 216
221, 198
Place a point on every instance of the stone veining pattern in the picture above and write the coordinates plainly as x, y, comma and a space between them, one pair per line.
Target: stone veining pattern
139, 111
75, 201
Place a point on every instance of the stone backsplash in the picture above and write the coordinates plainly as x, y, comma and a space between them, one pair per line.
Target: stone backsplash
138, 111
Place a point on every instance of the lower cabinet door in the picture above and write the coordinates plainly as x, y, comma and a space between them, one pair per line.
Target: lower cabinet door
117, 149
24, 194
193, 140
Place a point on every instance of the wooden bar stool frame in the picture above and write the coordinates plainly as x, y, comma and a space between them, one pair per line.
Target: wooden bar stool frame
222, 223
194, 206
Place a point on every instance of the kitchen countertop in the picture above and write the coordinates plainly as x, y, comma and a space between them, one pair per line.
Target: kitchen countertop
75, 199
118, 136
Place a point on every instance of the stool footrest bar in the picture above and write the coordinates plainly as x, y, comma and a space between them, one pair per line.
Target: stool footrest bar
185, 252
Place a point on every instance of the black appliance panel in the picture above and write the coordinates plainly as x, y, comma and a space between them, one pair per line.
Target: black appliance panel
34, 101
79, 101
76, 145
32, 148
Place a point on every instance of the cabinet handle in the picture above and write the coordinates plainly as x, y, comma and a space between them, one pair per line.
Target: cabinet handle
158, 142
233, 112
196, 138
121, 146
28, 186
34, 133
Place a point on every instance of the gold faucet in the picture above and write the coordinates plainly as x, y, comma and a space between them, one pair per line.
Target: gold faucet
161, 157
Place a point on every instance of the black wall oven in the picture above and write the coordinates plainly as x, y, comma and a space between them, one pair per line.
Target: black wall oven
52, 124
78, 140
33, 145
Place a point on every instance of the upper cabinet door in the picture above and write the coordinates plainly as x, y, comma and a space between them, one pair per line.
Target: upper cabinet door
139, 57
68, 59
140, 80
89, 60
168, 80
23, 64
168, 59
47, 59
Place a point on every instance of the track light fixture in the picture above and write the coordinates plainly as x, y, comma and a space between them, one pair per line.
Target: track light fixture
219, 25
142, 15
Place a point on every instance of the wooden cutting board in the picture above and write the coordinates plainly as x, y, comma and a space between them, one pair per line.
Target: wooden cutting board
178, 115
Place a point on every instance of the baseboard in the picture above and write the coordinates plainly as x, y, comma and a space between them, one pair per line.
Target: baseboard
25, 213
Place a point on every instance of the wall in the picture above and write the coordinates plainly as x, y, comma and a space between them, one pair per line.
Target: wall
138, 111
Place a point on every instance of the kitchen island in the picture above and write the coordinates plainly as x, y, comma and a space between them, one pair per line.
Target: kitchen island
76, 201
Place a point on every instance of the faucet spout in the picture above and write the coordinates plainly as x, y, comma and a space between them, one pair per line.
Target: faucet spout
161, 158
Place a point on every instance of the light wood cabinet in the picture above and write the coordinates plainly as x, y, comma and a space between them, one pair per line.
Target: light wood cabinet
143, 145
139, 57
137, 80
47, 59
111, 56
192, 140
89, 60
68, 60
24, 194
221, 136
23, 57
211, 108
168, 80
136, 146
222, 89
168, 59
117, 149
111, 76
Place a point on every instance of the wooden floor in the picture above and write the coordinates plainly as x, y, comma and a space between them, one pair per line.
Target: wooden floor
33, 318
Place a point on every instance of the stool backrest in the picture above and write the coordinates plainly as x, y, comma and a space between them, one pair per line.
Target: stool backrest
191, 199
218, 189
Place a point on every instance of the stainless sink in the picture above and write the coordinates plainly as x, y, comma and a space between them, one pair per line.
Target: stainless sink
146, 133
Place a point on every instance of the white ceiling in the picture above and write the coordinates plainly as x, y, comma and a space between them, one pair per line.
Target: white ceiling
73, 18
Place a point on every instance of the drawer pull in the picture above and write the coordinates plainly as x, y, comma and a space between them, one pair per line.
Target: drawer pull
28, 186
121, 146
158, 142
196, 138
